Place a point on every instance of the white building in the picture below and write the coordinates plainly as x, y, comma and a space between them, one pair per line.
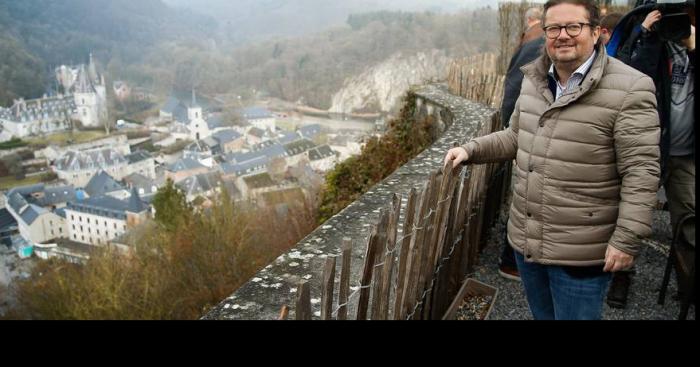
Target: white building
36, 224
84, 99
78, 167
37, 116
260, 117
98, 220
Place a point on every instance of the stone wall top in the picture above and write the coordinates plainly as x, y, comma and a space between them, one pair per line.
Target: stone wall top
263, 296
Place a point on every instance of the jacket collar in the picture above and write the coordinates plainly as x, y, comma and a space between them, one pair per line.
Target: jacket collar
537, 71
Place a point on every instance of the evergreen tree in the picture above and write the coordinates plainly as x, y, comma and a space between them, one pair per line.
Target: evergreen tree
171, 207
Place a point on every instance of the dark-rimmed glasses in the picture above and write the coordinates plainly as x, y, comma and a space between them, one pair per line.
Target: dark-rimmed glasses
572, 29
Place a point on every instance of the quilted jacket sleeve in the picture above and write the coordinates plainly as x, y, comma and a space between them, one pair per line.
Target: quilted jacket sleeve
498, 146
636, 135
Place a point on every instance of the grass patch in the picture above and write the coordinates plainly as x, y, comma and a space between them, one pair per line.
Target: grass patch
63, 138
9, 182
12, 144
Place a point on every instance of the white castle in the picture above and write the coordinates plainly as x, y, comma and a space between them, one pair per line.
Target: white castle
85, 100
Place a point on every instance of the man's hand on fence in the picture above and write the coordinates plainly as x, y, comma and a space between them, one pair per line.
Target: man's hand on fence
456, 156
616, 260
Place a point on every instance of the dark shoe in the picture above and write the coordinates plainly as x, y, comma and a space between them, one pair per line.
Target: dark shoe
509, 272
619, 288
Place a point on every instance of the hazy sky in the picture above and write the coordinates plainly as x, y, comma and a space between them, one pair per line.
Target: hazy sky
264, 18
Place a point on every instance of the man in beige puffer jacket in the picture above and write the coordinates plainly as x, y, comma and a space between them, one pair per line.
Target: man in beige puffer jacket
585, 135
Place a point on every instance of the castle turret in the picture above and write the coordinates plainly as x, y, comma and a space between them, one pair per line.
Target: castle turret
86, 100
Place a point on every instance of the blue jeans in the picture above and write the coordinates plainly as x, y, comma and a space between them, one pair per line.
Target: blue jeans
563, 293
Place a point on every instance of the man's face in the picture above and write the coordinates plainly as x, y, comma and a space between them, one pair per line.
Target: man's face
566, 49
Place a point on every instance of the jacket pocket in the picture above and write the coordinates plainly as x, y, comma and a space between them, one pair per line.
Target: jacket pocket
576, 193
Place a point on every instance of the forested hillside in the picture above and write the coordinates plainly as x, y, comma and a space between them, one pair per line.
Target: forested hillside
156, 46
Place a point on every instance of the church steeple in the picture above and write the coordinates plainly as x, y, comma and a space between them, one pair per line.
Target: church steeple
194, 99
194, 111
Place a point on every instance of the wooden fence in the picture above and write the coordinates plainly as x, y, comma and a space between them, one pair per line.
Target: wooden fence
476, 78
416, 276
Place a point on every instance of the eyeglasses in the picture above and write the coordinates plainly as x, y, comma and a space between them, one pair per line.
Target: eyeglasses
573, 29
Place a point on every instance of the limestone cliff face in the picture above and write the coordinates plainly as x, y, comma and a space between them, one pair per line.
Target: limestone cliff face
380, 87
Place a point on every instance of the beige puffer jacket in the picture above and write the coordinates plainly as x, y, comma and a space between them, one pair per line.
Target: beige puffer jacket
587, 164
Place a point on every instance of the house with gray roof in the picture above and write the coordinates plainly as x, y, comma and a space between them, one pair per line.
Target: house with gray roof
229, 140
102, 184
78, 167
310, 131
36, 224
259, 117
322, 158
254, 185
252, 166
37, 116
184, 168
286, 137
204, 185
255, 135
177, 103
141, 162
296, 150
145, 186
57, 196
97, 220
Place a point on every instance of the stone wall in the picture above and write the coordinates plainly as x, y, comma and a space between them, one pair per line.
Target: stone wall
263, 296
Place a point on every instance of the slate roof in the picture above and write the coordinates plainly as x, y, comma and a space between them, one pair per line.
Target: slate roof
83, 83
215, 121
102, 183
200, 184
139, 156
298, 147
57, 195
251, 166
256, 113
288, 137
53, 108
185, 164
140, 181
226, 136
104, 206
256, 132
310, 131
90, 159
135, 204
32, 212
320, 152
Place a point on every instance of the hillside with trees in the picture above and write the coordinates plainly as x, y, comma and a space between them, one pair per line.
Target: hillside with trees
159, 47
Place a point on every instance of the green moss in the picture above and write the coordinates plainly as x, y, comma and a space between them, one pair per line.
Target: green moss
405, 138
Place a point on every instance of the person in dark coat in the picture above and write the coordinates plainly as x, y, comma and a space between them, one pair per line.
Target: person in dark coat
671, 64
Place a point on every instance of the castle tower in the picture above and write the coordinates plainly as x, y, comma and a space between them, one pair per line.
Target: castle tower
86, 100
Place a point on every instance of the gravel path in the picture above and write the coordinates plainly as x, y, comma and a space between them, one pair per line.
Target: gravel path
641, 304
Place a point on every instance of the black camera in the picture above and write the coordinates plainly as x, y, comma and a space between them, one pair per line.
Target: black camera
673, 26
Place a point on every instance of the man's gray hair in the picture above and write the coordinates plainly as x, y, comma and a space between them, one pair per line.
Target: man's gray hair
534, 13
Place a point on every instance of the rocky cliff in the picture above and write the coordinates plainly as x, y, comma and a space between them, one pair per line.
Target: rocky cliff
380, 87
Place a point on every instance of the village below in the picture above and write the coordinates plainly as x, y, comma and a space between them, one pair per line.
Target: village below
74, 179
